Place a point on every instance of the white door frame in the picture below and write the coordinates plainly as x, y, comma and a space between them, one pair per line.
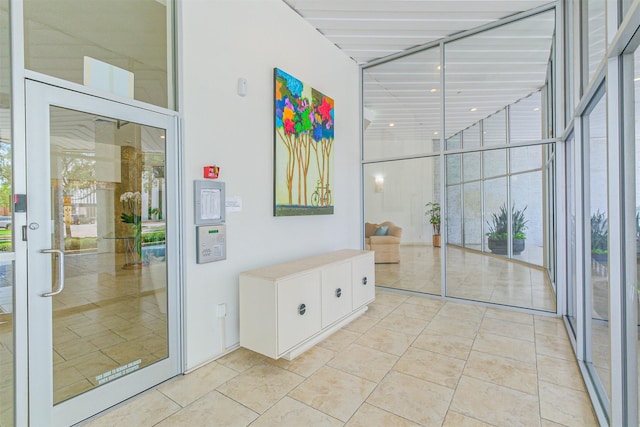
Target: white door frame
39, 97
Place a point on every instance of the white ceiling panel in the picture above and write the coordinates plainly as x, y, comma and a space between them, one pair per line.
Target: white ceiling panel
371, 29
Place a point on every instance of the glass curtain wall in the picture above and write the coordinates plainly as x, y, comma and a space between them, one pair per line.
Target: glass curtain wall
601, 133
497, 165
402, 198
595, 152
636, 230
7, 359
82, 41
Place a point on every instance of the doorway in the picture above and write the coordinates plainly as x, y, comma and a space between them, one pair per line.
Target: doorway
102, 252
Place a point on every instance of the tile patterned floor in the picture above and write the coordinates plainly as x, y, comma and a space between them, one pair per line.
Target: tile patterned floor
409, 361
471, 275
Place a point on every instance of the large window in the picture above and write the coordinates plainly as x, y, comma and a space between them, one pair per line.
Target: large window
494, 189
134, 36
7, 358
595, 151
402, 106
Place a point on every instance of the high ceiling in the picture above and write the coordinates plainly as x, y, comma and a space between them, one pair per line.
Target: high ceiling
370, 29
483, 73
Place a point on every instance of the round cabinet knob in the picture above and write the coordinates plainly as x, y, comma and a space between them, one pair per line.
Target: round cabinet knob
364, 280
302, 309
338, 293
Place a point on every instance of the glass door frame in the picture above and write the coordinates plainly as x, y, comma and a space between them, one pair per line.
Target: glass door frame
39, 98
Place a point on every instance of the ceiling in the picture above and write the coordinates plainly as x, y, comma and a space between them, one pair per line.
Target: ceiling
371, 29
483, 73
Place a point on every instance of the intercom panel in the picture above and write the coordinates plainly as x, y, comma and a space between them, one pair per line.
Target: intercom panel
211, 243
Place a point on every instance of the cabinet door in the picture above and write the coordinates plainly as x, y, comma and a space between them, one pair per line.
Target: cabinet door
299, 315
336, 292
364, 280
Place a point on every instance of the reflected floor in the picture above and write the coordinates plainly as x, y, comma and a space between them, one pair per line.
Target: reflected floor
408, 361
107, 317
471, 275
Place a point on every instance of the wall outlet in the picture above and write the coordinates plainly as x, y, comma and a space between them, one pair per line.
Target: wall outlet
221, 310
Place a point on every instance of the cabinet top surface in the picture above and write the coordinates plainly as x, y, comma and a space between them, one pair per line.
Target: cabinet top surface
281, 270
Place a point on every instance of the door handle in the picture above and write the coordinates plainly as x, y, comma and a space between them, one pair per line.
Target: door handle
60, 284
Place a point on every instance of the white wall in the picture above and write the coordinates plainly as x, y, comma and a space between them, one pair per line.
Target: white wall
222, 41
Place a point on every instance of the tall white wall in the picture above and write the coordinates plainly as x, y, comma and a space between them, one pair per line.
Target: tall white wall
222, 41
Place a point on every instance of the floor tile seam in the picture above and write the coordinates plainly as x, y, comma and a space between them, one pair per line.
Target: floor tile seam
222, 394
586, 399
439, 352
490, 381
317, 409
504, 336
244, 405
473, 418
382, 409
485, 331
307, 405
406, 333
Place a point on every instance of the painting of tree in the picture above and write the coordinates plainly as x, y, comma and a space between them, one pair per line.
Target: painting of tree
303, 159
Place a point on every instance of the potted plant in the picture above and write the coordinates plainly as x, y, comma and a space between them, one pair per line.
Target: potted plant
599, 237
433, 212
498, 231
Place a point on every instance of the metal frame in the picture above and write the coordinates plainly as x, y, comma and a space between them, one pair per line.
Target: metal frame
19, 76
444, 152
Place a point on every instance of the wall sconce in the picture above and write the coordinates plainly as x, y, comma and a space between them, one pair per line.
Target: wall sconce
379, 183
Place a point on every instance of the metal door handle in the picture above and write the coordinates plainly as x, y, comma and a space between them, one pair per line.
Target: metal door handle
60, 284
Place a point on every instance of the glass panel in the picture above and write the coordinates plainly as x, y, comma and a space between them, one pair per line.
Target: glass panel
6, 344
596, 42
495, 212
398, 195
472, 216
490, 70
108, 207
401, 101
455, 142
636, 80
527, 196
525, 119
60, 35
492, 276
494, 129
525, 158
471, 166
472, 136
494, 163
453, 169
599, 243
454, 214
7, 359
572, 281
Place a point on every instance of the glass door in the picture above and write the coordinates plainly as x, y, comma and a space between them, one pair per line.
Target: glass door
102, 284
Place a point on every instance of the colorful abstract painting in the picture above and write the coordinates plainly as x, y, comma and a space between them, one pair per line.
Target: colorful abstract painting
303, 158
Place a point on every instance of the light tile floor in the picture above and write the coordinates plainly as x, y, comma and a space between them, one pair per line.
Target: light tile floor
471, 275
409, 361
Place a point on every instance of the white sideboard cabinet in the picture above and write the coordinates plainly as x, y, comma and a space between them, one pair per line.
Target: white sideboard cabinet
287, 308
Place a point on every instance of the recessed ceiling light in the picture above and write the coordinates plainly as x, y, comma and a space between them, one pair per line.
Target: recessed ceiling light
637, 79
436, 132
161, 136
433, 90
536, 109
391, 125
473, 109
438, 67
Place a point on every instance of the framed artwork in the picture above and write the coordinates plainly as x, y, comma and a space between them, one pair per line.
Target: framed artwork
303, 148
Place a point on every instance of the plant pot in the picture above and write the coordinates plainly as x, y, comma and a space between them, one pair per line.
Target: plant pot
500, 246
436, 240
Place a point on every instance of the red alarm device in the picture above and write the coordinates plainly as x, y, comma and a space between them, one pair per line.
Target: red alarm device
211, 171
